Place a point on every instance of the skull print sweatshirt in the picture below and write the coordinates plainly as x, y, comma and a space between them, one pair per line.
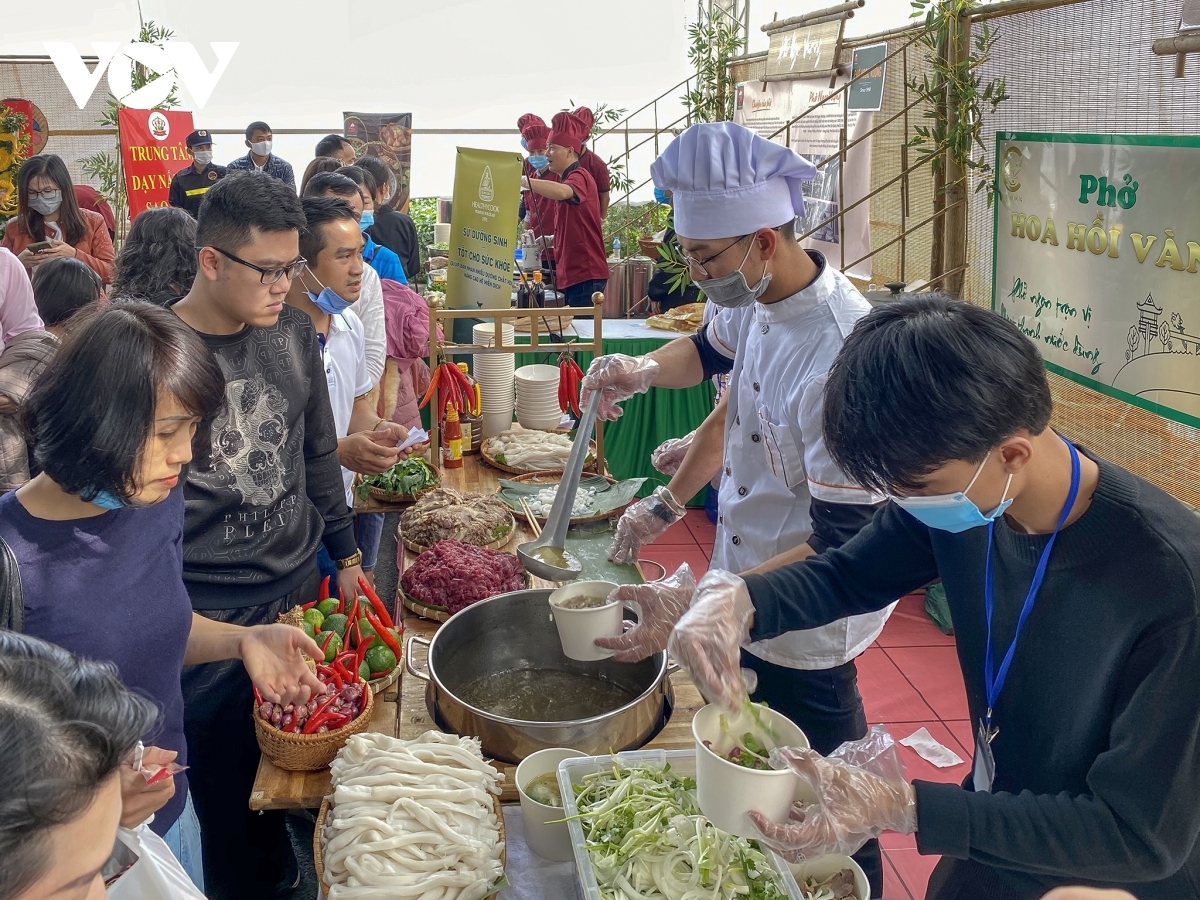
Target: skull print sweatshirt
271, 489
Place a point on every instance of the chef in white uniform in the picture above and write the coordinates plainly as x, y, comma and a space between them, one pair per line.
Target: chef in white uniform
785, 313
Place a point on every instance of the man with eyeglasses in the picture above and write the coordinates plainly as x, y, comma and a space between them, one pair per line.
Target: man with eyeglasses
784, 315
262, 494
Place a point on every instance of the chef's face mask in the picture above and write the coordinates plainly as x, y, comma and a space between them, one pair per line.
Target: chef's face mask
539, 161
954, 512
731, 291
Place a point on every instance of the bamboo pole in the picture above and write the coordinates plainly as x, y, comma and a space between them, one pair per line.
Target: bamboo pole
959, 49
812, 18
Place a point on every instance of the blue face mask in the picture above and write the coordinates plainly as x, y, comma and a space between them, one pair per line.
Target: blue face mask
524, 144
367, 219
539, 162
953, 512
660, 196
327, 301
107, 500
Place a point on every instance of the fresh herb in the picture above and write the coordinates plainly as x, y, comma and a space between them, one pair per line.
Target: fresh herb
405, 479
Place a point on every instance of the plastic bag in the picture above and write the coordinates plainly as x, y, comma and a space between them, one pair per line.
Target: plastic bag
157, 875
875, 753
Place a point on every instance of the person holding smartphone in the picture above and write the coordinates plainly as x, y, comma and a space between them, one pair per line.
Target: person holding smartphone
50, 224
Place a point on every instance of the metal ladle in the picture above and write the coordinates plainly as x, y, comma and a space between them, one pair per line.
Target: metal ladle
554, 535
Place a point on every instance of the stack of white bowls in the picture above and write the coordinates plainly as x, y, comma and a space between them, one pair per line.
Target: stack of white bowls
537, 397
494, 373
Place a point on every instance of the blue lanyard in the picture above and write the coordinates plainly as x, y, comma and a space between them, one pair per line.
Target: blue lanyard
994, 680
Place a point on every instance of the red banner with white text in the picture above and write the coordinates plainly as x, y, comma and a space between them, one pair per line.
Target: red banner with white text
153, 149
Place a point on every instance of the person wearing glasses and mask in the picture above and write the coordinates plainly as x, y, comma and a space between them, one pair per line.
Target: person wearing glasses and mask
260, 158
269, 493
189, 185
784, 314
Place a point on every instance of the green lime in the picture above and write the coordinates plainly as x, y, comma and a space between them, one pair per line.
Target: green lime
309, 629
364, 671
328, 607
336, 622
366, 629
314, 617
380, 659
333, 648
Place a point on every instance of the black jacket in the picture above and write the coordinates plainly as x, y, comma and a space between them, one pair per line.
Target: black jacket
397, 232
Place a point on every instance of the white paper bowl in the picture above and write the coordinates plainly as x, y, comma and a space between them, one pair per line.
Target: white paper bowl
547, 841
824, 866
578, 628
496, 423
727, 792
538, 374
539, 423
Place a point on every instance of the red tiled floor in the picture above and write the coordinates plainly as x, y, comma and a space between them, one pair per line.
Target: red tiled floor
910, 626
703, 531
887, 695
964, 731
672, 557
914, 870
891, 840
677, 535
893, 886
917, 767
935, 673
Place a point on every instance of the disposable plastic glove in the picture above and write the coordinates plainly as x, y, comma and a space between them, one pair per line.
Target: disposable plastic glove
639, 525
669, 455
857, 802
661, 604
618, 377
708, 639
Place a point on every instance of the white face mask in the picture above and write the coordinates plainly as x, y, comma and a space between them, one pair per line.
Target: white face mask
261, 148
202, 157
731, 291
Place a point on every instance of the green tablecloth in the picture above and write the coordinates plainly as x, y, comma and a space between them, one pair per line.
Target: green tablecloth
649, 418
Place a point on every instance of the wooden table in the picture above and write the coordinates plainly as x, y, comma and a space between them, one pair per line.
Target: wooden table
403, 712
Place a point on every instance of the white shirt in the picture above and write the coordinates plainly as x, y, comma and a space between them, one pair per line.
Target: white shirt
775, 455
346, 375
369, 309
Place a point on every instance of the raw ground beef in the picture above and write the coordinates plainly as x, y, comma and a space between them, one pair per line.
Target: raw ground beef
455, 575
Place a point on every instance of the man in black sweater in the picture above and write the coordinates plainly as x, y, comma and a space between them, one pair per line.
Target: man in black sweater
256, 511
1081, 677
392, 229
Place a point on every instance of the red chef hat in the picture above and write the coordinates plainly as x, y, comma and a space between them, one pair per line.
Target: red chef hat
568, 130
529, 119
536, 134
585, 116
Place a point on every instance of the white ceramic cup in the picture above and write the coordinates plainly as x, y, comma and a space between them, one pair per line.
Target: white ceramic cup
547, 841
728, 793
579, 628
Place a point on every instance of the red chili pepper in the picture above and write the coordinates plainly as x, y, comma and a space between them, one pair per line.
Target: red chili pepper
258, 697
337, 720
336, 677
376, 603
433, 382
341, 607
323, 593
353, 620
314, 720
328, 638
363, 646
310, 604
384, 635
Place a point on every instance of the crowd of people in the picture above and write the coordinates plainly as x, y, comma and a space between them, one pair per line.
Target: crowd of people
181, 426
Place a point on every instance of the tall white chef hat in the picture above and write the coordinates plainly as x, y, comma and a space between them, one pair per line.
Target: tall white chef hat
727, 181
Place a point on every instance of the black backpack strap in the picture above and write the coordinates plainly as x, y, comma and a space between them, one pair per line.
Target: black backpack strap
12, 602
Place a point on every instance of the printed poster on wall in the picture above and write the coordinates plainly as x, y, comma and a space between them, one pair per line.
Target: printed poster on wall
387, 136
153, 149
802, 50
767, 109
1097, 260
483, 229
869, 68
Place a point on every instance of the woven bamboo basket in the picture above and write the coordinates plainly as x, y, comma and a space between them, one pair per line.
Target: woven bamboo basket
310, 752
318, 845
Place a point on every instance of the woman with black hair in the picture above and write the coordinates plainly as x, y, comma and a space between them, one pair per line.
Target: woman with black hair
391, 228
61, 288
158, 259
49, 222
98, 534
68, 726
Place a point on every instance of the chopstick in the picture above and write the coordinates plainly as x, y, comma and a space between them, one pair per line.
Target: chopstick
533, 523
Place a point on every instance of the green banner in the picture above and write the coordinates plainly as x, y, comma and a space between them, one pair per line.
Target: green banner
483, 229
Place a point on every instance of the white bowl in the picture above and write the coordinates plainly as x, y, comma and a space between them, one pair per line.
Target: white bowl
540, 423
495, 423
727, 792
547, 841
578, 628
824, 866
535, 374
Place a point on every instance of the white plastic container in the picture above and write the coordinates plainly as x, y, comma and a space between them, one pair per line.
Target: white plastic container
571, 771
579, 628
825, 866
727, 792
547, 841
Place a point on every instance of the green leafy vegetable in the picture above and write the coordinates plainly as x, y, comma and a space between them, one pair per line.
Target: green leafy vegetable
608, 496
405, 478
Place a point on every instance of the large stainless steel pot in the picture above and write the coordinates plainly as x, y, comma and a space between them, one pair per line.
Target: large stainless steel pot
514, 631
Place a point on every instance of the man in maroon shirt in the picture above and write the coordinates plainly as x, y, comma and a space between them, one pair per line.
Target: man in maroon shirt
578, 242
593, 163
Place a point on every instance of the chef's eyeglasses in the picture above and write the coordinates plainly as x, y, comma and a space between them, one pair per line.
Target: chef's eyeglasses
271, 275
699, 264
